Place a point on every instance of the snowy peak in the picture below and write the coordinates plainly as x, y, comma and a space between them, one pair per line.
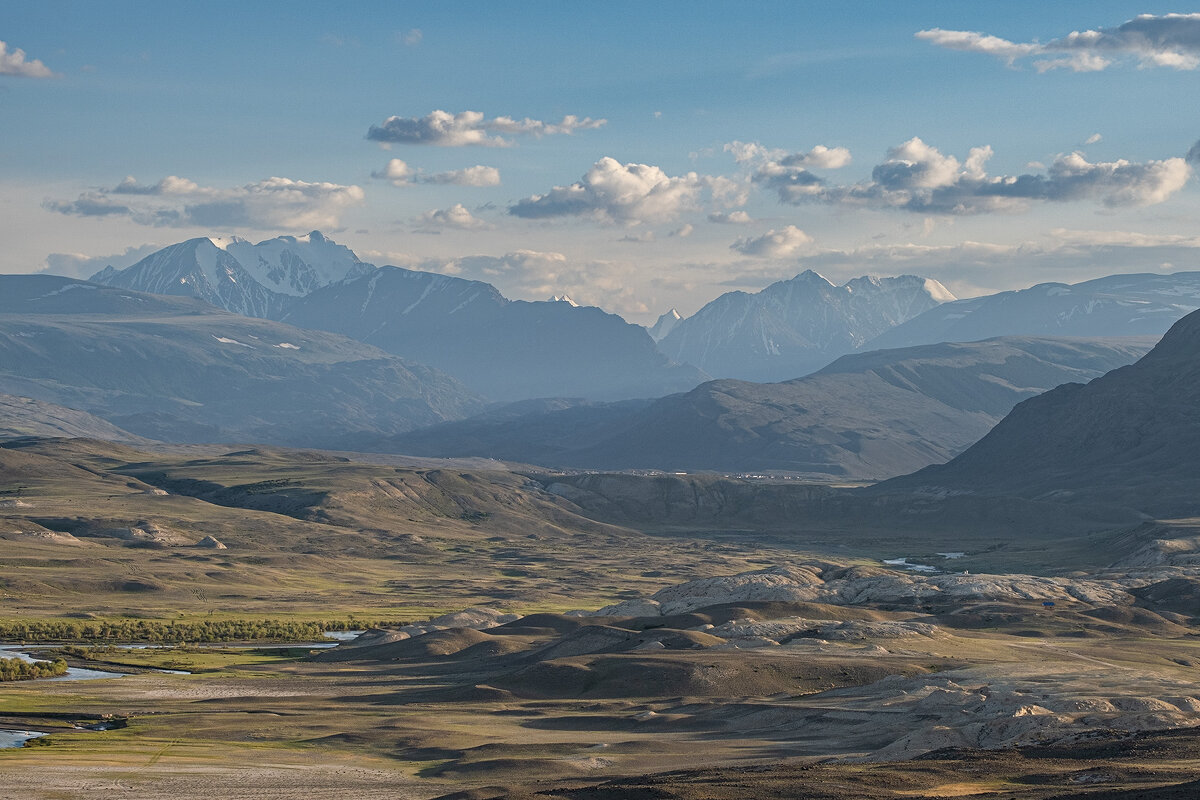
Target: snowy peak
796, 326
257, 280
297, 265
665, 324
564, 298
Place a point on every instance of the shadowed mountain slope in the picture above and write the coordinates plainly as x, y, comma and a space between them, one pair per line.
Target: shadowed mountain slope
868, 415
1131, 436
177, 369
505, 349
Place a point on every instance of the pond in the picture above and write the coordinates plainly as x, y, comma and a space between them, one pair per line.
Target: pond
17, 738
73, 673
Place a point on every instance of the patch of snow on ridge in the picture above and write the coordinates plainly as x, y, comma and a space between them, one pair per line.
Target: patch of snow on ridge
224, 340
287, 346
939, 292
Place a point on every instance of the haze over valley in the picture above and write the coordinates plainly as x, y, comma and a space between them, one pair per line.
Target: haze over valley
472, 402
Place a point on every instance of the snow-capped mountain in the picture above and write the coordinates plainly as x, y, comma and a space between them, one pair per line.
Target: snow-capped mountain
257, 280
564, 298
1116, 305
665, 324
796, 326
505, 349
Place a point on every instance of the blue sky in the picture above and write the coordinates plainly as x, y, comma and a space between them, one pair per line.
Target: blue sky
633, 110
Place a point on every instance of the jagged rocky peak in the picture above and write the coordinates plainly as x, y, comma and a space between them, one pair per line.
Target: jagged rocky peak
564, 298
665, 324
232, 273
796, 326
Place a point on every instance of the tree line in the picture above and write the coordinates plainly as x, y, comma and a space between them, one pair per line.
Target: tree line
176, 632
16, 669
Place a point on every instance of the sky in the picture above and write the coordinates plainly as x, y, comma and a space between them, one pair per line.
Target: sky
636, 156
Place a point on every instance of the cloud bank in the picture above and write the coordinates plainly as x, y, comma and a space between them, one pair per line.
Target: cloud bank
274, 203
918, 177
471, 128
1169, 40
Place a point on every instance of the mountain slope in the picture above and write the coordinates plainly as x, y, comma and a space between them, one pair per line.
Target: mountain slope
24, 416
796, 326
1116, 305
866, 416
505, 349
177, 369
256, 280
1131, 436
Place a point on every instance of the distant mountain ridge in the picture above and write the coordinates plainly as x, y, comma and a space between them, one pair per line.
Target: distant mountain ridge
866, 416
1143, 304
179, 370
504, 349
794, 327
256, 280
1130, 437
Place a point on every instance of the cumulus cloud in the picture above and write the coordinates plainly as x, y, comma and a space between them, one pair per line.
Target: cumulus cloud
14, 62
624, 193
918, 177
730, 218
1169, 40
456, 217
786, 173
773, 243
271, 204
400, 173
471, 128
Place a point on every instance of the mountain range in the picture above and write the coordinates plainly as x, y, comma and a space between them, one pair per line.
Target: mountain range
504, 349
177, 369
866, 416
1131, 436
1142, 304
794, 327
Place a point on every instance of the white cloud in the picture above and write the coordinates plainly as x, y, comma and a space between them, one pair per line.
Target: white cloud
411, 37
918, 177
683, 232
80, 265
786, 173
456, 217
471, 128
477, 175
1169, 40
271, 204
400, 173
730, 218
623, 193
773, 244
1093, 139
536, 275
14, 62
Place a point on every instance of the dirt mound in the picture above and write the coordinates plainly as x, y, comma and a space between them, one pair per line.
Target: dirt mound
687, 674
438, 644
1181, 595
